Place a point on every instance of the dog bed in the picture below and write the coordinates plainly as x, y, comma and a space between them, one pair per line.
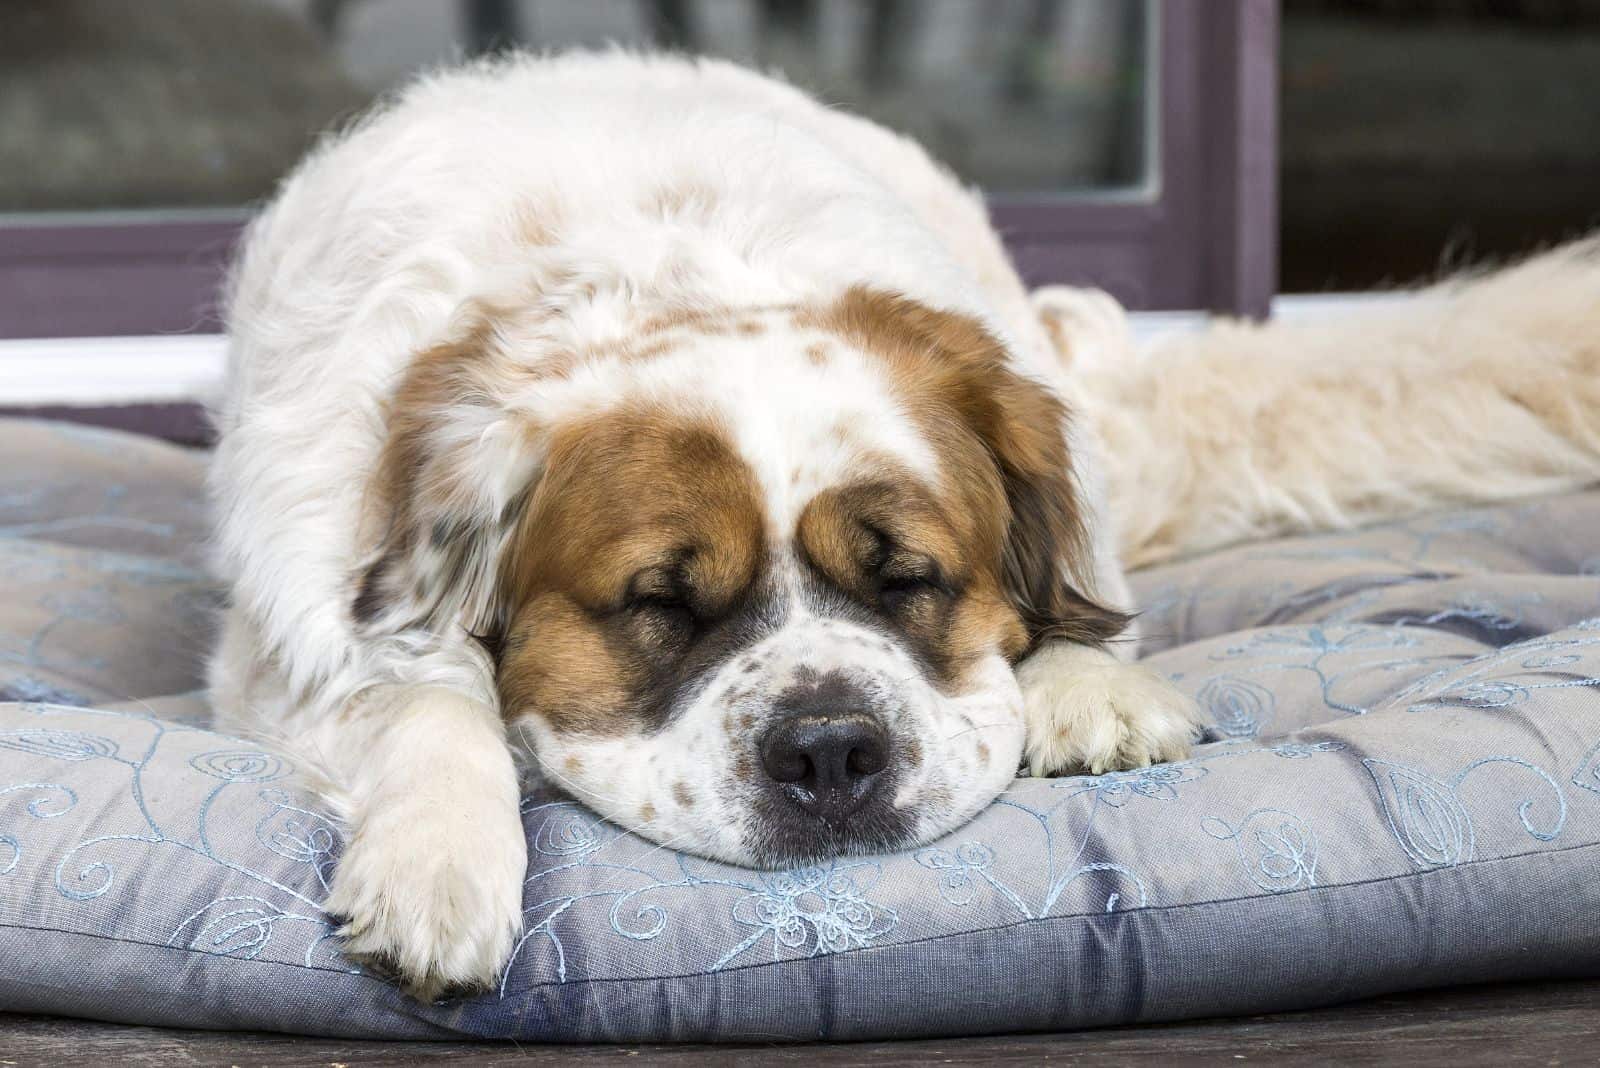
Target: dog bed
1401, 788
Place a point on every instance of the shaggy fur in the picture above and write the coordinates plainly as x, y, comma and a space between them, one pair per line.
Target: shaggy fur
1479, 389
642, 425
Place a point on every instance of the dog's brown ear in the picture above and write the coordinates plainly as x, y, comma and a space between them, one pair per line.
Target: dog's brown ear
1048, 559
450, 483
952, 361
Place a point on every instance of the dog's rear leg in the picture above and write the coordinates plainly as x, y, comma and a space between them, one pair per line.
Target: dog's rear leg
1471, 392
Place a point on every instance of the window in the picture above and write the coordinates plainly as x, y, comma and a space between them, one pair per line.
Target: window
1124, 143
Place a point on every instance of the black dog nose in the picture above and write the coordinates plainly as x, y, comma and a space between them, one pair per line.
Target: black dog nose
828, 764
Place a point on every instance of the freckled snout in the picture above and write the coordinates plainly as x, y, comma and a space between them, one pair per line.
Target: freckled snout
830, 759
827, 762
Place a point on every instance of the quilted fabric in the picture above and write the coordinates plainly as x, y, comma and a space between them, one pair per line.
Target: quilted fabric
1402, 788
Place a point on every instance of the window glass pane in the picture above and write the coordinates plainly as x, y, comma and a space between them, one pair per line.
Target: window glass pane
1450, 132
112, 104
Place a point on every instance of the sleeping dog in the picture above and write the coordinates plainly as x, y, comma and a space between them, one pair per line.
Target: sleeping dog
642, 425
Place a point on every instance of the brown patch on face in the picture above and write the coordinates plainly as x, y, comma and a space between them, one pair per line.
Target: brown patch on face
817, 354
1002, 447
851, 532
629, 566
681, 794
573, 764
930, 570
647, 813
983, 752
567, 668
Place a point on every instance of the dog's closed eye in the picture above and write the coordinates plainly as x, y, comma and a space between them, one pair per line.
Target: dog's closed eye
661, 604
902, 582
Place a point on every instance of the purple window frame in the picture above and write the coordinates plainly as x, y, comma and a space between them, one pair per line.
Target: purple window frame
1205, 235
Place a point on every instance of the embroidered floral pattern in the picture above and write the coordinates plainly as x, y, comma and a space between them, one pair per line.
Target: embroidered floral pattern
1117, 788
1328, 669
1238, 707
821, 910
1277, 849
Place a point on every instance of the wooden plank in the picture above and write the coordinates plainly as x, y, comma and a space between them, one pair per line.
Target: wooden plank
1535, 1023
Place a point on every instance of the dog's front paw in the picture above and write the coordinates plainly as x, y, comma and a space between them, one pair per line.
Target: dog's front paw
431, 892
1085, 710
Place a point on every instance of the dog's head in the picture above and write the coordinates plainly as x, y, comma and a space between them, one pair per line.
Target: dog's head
753, 579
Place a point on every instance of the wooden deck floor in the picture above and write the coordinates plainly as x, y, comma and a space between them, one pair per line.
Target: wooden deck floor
1534, 1024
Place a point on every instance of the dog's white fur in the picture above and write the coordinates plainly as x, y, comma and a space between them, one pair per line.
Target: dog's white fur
1481, 388
585, 191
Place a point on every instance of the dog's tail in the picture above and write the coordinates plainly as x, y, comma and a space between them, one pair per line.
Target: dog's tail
1480, 389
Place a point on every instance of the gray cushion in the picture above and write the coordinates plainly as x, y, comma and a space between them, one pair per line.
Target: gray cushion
1403, 789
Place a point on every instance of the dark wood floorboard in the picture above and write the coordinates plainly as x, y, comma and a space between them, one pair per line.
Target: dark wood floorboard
1532, 1024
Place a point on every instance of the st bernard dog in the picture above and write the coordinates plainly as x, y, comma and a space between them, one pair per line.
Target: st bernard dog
640, 424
